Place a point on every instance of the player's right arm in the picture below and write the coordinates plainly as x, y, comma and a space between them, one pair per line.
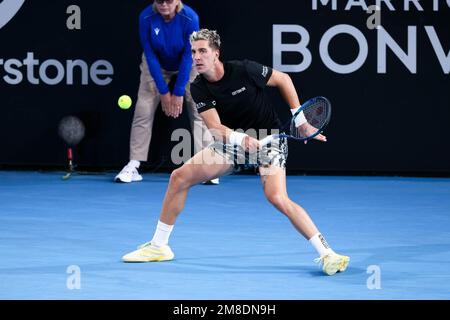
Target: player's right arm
217, 129
225, 134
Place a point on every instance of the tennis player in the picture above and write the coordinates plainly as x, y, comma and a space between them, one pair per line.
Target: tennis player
231, 96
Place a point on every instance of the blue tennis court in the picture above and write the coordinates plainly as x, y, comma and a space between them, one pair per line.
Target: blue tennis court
229, 243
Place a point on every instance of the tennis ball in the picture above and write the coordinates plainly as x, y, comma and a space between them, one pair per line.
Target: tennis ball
124, 102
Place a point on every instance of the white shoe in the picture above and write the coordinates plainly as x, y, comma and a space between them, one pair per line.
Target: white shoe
333, 262
212, 181
128, 174
147, 253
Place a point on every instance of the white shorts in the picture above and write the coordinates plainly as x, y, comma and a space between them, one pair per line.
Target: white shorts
274, 154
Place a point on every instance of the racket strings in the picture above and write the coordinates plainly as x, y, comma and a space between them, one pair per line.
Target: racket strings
317, 115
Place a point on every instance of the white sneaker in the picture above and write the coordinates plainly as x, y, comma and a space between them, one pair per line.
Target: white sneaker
212, 181
333, 262
128, 174
147, 253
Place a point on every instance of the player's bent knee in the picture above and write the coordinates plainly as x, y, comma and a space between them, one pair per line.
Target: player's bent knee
178, 178
279, 200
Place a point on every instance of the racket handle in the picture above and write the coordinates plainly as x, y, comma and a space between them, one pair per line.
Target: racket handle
267, 140
69, 154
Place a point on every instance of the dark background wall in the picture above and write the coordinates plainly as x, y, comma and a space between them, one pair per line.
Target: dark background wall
392, 122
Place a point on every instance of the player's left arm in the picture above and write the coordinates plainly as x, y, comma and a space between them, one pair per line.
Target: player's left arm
263, 76
286, 87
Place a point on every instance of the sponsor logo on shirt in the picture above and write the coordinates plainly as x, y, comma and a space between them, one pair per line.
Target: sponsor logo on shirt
264, 71
157, 30
238, 91
201, 105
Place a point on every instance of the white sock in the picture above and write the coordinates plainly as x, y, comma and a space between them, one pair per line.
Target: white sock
320, 244
162, 234
134, 163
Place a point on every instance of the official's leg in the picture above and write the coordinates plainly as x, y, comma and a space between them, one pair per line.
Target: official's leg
144, 113
141, 127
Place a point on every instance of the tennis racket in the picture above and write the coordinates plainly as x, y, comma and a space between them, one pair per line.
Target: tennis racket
317, 113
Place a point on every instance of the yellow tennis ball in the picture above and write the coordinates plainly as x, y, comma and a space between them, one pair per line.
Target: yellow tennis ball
124, 102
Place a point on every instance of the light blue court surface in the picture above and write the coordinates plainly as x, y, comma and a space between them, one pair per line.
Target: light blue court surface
229, 242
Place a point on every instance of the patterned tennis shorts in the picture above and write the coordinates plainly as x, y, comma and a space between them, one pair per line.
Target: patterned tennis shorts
274, 154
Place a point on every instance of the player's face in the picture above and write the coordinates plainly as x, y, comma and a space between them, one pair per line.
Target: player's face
203, 56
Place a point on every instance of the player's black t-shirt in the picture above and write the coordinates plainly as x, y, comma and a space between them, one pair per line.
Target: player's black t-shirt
238, 97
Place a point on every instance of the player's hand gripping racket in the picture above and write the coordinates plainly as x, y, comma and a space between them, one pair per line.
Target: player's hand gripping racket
307, 123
